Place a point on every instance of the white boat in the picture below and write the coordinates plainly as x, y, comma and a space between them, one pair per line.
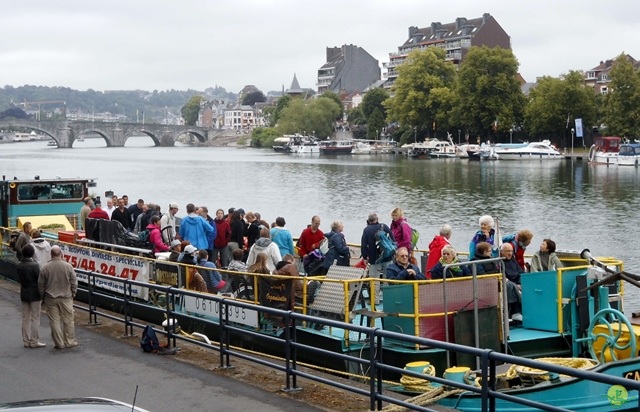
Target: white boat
605, 150
279, 143
424, 149
52, 143
486, 151
463, 150
373, 146
307, 147
629, 154
529, 151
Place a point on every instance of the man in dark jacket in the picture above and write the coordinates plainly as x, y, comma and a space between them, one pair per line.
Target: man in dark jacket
512, 271
369, 249
401, 269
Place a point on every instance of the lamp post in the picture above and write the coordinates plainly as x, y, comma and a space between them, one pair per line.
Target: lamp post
511, 135
415, 135
459, 131
573, 132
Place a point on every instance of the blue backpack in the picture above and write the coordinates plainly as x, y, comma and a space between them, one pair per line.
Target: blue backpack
386, 246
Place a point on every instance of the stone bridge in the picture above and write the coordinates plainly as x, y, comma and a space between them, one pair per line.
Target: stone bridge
114, 134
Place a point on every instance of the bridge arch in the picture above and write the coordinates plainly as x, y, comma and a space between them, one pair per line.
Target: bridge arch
146, 132
99, 132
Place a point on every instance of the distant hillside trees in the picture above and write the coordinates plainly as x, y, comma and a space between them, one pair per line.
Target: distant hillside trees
13, 113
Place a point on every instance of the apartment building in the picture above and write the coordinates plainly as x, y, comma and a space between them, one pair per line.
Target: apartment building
454, 38
598, 78
349, 69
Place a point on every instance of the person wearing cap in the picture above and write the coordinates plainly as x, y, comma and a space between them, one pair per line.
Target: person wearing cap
176, 248
57, 285
195, 228
168, 223
98, 212
195, 281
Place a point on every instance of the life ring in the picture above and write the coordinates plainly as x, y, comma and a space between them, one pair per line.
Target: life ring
12, 185
592, 153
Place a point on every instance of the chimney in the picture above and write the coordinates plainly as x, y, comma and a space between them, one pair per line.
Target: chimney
332, 53
485, 17
460, 22
435, 26
412, 31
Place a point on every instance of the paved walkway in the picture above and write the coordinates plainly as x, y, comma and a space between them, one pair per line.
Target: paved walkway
105, 367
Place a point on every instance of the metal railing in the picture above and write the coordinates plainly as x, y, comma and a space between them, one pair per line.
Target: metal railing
487, 359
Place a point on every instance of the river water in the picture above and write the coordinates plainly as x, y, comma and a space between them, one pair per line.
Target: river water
576, 204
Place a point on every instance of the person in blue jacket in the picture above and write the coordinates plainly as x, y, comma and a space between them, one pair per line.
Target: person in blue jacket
195, 229
402, 269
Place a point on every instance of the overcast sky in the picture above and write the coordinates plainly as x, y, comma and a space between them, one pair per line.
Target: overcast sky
161, 45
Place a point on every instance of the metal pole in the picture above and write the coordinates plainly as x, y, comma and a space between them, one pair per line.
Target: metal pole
573, 131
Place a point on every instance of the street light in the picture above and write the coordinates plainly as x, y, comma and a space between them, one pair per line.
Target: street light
573, 132
511, 135
459, 131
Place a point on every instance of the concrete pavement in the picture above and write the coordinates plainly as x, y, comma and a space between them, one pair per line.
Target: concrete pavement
106, 367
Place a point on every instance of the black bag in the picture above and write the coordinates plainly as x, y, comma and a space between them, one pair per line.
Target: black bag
149, 341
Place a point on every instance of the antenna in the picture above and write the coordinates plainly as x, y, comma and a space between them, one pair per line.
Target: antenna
135, 395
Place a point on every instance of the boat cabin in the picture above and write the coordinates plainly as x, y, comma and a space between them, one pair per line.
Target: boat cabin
37, 197
607, 144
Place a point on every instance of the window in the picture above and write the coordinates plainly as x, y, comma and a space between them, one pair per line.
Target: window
49, 191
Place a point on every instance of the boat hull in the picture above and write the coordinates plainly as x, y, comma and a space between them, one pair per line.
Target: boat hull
529, 156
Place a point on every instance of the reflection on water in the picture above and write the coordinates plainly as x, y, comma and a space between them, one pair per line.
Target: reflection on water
576, 204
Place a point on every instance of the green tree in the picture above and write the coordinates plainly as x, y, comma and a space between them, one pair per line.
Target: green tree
374, 99
280, 105
190, 110
356, 117
375, 124
314, 116
423, 91
253, 98
554, 103
331, 95
622, 103
263, 136
489, 101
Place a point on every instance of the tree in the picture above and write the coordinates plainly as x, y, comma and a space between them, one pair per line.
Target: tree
423, 91
374, 99
554, 103
622, 103
253, 98
280, 105
356, 117
489, 97
14, 112
375, 124
191, 110
263, 136
316, 115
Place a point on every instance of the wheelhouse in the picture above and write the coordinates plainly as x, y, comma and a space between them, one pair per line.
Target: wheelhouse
38, 197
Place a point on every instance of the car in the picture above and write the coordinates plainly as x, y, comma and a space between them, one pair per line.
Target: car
71, 404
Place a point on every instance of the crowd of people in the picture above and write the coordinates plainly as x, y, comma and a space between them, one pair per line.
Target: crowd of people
244, 242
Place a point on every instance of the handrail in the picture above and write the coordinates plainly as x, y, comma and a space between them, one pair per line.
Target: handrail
487, 358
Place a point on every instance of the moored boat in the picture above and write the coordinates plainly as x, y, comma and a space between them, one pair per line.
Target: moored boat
280, 143
629, 154
530, 151
336, 147
605, 150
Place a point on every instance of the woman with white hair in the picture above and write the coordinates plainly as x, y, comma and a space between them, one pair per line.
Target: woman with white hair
449, 256
486, 234
338, 249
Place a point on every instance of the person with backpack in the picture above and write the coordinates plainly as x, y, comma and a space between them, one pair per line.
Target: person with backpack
401, 230
372, 249
338, 250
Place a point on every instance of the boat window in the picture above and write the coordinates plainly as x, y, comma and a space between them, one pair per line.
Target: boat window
49, 191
